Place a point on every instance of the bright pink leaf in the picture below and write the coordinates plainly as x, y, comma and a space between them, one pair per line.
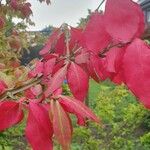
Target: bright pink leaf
97, 68
76, 37
10, 114
82, 58
61, 124
37, 89
78, 81
56, 81
38, 70
122, 19
39, 129
60, 47
136, 65
48, 66
78, 108
114, 59
58, 92
96, 38
53, 37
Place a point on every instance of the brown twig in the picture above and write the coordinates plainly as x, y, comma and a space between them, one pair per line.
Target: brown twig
100, 5
105, 50
11, 92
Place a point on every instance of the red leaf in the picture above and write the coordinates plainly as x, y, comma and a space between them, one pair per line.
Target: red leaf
58, 92
97, 68
76, 37
48, 66
10, 114
29, 94
118, 77
56, 81
61, 124
25, 9
14, 4
77, 81
122, 19
38, 70
76, 34
58, 66
114, 59
37, 89
96, 38
81, 121
60, 47
53, 37
39, 130
78, 108
82, 58
136, 65
50, 56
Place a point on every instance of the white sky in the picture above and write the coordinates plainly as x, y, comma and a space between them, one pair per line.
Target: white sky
60, 11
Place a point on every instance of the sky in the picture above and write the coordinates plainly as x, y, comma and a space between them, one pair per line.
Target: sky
60, 11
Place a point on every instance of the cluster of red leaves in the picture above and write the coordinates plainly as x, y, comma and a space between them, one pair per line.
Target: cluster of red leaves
24, 8
108, 47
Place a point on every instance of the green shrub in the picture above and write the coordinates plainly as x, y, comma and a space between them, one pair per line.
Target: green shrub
124, 121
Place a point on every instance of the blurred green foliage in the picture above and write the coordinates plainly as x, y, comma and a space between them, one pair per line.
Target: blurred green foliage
13, 138
125, 123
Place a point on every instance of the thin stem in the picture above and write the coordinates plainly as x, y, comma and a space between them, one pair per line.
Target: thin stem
67, 46
100, 5
67, 42
65, 29
25, 87
105, 50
